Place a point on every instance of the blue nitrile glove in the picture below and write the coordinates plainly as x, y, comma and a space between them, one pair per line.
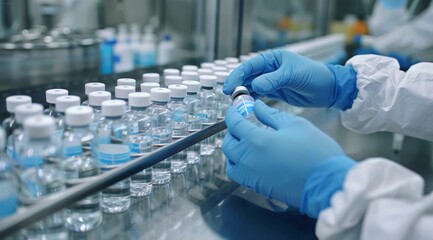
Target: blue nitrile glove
295, 79
393, 4
278, 162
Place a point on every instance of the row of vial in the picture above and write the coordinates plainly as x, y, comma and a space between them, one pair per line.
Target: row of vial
69, 143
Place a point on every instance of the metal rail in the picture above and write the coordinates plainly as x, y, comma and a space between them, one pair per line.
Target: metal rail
58, 201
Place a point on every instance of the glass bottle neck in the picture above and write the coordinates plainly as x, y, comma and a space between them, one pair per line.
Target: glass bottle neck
138, 108
159, 103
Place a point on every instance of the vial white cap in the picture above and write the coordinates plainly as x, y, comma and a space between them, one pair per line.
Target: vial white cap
171, 72
39, 126
204, 71
79, 116
219, 69
139, 99
93, 87
207, 65
151, 77
170, 80
231, 60
221, 76
24, 111
189, 68
123, 91
65, 102
188, 75
113, 108
178, 90
96, 98
232, 67
147, 86
208, 81
12, 102
193, 86
53, 94
126, 82
244, 58
220, 63
160, 94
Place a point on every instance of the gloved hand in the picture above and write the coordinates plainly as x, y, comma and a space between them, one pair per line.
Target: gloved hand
278, 162
295, 79
393, 4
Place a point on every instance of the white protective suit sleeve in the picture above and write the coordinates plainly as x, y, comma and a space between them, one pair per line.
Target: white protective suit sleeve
391, 100
380, 200
383, 20
410, 38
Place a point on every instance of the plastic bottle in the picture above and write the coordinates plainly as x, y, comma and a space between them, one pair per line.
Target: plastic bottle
126, 82
147, 49
209, 110
166, 51
12, 102
114, 152
79, 167
188, 75
204, 71
180, 124
38, 175
207, 65
194, 106
123, 55
189, 68
51, 95
95, 101
92, 87
139, 140
8, 183
151, 77
107, 51
244, 103
63, 103
22, 112
172, 80
162, 125
147, 86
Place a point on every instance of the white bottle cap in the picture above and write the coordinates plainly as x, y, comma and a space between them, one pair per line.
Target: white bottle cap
221, 76
139, 99
204, 71
96, 98
39, 126
207, 65
123, 91
147, 86
24, 111
220, 63
219, 69
93, 87
193, 86
151, 77
160, 94
232, 67
208, 81
126, 82
79, 116
178, 90
170, 80
244, 58
113, 108
188, 75
171, 72
189, 68
53, 94
231, 60
12, 102
65, 102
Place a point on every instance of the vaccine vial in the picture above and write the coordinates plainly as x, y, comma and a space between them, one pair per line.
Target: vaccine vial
208, 112
244, 103
12, 102
194, 107
92, 87
51, 95
189, 75
189, 68
147, 86
151, 77
126, 82
207, 65
171, 72
172, 80
63, 103
95, 101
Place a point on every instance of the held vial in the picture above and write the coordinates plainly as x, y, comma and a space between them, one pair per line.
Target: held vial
92, 87
113, 152
80, 167
180, 124
244, 104
161, 127
51, 95
95, 101
12, 102
139, 140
